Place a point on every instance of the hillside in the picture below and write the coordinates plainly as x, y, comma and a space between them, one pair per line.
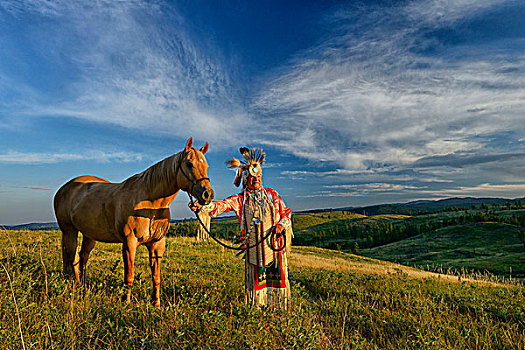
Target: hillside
473, 242
430, 206
339, 301
493, 247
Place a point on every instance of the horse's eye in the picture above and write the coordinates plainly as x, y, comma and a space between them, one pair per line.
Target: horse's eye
189, 165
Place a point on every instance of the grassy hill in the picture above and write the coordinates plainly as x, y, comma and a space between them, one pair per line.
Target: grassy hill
304, 220
430, 206
494, 247
339, 300
485, 240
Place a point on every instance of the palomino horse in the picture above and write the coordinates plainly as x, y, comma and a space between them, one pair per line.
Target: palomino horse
133, 212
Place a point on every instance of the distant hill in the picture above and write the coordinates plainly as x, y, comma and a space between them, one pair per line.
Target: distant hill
429, 206
33, 226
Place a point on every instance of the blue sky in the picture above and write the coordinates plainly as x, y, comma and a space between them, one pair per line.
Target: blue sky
354, 102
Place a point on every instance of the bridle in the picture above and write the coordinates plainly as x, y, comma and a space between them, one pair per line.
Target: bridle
181, 169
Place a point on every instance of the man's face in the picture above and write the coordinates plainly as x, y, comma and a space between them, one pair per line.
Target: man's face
254, 182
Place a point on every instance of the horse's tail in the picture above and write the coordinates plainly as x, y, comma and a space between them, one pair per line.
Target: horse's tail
62, 204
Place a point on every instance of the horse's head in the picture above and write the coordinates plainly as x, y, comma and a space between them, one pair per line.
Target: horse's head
192, 175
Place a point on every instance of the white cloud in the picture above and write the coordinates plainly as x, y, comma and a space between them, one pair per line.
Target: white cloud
135, 65
35, 188
437, 12
375, 187
514, 190
371, 98
409, 192
367, 97
48, 158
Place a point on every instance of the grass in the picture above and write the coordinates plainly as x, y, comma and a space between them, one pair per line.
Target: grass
340, 301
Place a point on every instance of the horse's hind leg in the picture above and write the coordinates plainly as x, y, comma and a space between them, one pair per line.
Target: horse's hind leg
156, 251
69, 250
87, 246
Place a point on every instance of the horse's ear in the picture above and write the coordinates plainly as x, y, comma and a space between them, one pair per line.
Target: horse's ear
204, 148
189, 144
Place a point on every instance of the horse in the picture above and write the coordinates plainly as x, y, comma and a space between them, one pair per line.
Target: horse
133, 212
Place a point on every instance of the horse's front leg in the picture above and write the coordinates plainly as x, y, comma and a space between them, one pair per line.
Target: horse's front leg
128, 255
156, 251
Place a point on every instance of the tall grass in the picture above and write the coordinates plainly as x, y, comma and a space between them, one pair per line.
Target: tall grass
203, 305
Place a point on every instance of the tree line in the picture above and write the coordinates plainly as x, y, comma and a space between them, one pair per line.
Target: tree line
351, 235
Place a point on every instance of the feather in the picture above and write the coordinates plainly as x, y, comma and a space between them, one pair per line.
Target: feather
261, 157
245, 152
238, 177
233, 163
254, 155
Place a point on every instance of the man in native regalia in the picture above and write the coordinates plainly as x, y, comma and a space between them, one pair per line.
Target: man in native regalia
266, 231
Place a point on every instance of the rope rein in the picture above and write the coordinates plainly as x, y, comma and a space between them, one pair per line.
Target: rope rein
270, 232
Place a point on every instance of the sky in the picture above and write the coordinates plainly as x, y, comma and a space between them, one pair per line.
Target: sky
354, 102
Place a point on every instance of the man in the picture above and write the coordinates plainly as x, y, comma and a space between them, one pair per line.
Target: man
267, 229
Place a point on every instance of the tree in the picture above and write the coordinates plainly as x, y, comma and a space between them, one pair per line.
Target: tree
355, 247
521, 236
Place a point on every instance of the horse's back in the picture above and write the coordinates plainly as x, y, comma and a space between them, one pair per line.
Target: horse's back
89, 178
70, 194
72, 187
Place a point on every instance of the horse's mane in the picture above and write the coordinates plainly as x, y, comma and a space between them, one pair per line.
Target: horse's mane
161, 173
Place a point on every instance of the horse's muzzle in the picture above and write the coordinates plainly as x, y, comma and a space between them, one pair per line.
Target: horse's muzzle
206, 196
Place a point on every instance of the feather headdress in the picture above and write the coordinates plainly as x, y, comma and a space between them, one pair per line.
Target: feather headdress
253, 159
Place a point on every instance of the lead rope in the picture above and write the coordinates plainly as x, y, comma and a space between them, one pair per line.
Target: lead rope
270, 232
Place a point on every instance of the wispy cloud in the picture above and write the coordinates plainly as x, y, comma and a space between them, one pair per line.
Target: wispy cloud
388, 91
48, 158
35, 188
376, 187
136, 64
514, 190
407, 192
465, 159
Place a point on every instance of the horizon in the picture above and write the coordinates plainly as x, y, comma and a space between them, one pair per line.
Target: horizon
230, 215
355, 103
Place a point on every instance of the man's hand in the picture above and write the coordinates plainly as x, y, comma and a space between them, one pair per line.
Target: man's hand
195, 206
278, 239
278, 229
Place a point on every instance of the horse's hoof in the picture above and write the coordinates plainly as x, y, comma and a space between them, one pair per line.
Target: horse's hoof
155, 303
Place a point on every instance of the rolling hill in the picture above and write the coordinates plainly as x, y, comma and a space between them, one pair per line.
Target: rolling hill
430, 206
486, 246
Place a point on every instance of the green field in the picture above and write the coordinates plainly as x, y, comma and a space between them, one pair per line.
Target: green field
340, 301
472, 239
493, 247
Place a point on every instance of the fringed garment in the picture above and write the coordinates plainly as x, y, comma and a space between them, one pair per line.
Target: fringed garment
266, 271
